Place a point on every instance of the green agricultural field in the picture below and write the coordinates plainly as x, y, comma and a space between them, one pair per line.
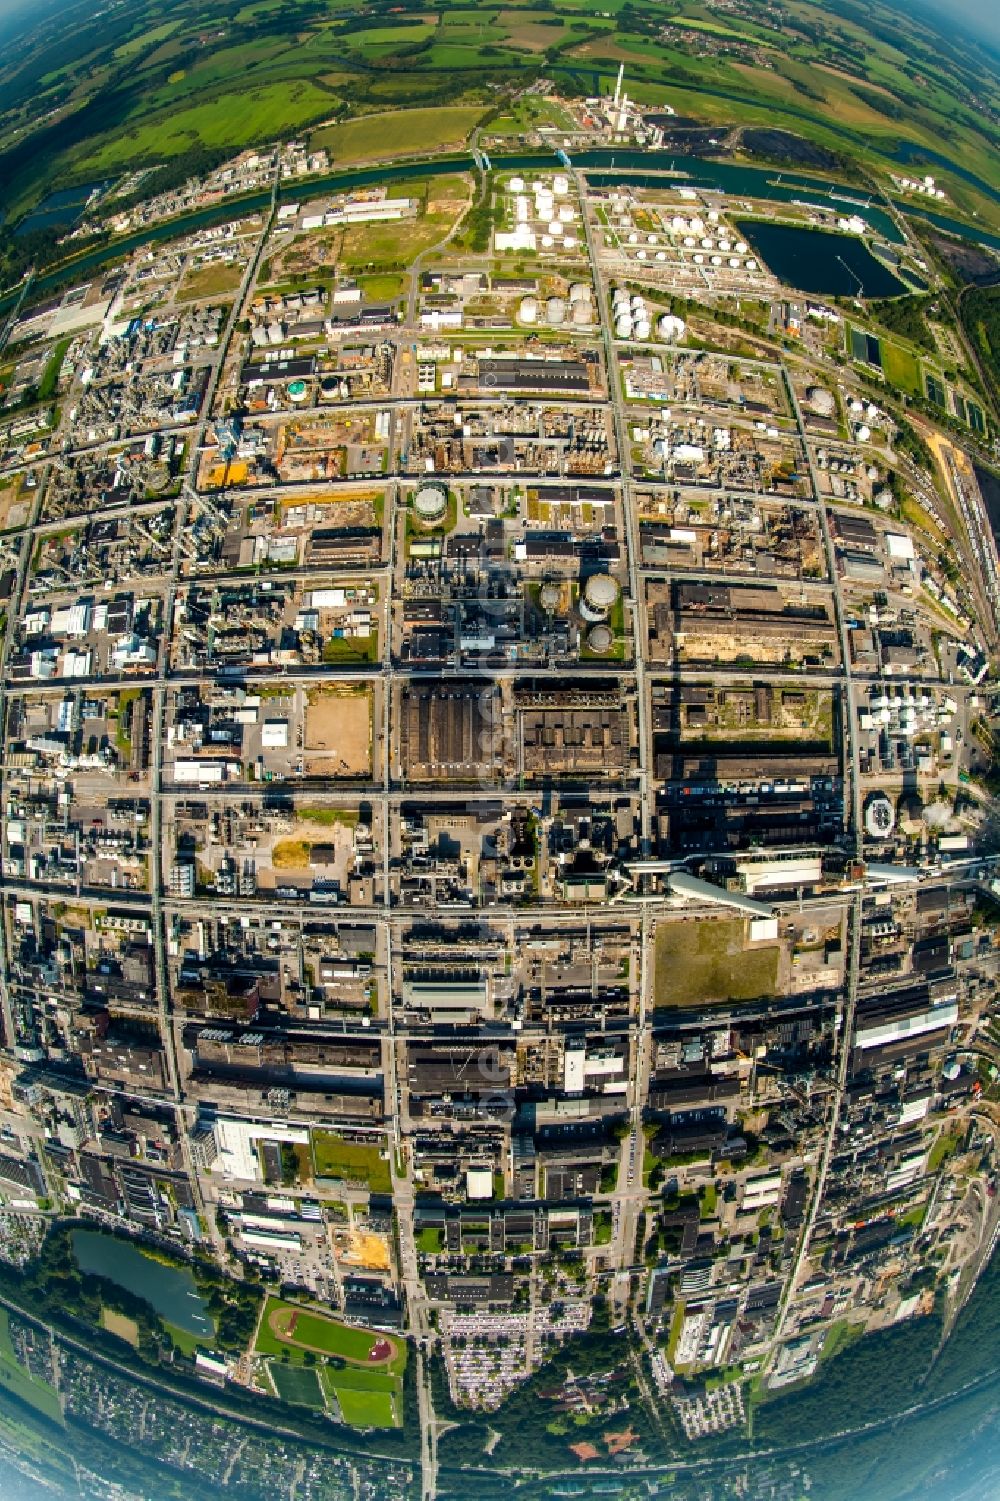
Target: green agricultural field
704, 960
333, 1157
409, 132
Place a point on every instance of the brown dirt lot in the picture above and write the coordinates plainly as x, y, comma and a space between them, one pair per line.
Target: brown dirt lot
338, 738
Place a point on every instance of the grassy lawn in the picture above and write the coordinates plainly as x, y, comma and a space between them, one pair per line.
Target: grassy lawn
901, 366
396, 133
209, 281
333, 1157
367, 1409
187, 1343
328, 817
945, 1146
351, 648
298, 1384
704, 960
429, 1240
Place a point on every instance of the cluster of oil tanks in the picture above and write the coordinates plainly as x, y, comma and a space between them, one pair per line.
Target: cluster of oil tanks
577, 308
631, 315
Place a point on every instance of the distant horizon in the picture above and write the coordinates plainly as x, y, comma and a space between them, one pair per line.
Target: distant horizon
972, 15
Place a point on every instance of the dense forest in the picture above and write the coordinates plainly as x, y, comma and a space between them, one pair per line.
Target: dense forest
980, 312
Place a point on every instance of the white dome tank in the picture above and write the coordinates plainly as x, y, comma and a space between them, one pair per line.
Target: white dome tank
555, 310
528, 311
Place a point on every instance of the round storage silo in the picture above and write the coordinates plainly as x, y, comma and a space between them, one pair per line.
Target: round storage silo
555, 311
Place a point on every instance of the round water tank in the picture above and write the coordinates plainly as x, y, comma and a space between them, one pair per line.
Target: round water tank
430, 503
555, 310
297, 390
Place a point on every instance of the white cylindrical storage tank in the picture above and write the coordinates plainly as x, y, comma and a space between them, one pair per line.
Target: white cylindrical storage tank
560, 185
620, 297
528, 311
716, 260
623, 327
661, 255
713, 216
741, 247
723, 244
430, 503
569, 241
690, 241
642, 328
555, 228
707, 242
581, 312
751, 263
580, 292
678, 225
699, 259
566, 214
671, 328
546, 242
633, 238
652, 240
555, 310
734, 261
697, 225
516, 185
599, 595
640, 255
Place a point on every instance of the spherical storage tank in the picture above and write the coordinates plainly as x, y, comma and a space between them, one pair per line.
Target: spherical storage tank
528, 311
555, 310
430, 503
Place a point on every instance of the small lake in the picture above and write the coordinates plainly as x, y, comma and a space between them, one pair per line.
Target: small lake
170, 1290
59, 210
814, 261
